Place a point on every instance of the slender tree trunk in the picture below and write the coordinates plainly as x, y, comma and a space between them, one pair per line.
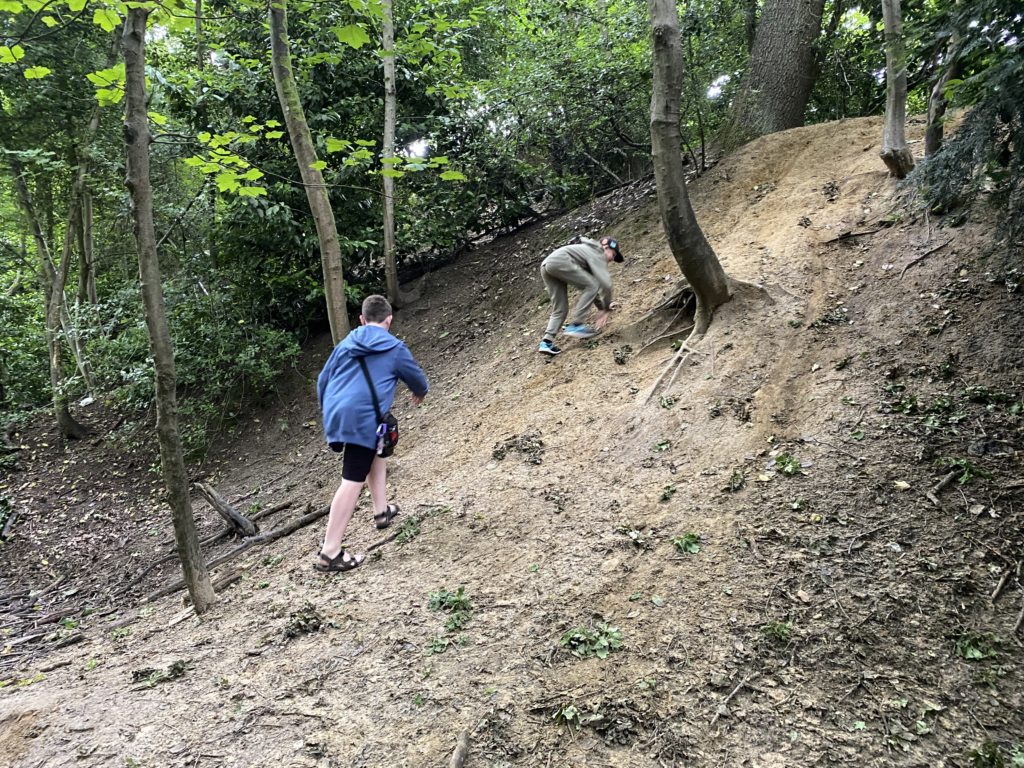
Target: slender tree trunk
137, 139
750, 23
895, 153
388, 54
691, 249
52, 279
775, 93
933, 133
305, 154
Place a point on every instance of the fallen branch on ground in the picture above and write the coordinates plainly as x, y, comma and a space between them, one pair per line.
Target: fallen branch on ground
722, 706
924, 256
461, 750
933, 494
237, 521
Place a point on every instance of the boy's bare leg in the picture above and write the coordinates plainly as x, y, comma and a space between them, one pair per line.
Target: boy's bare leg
342, 506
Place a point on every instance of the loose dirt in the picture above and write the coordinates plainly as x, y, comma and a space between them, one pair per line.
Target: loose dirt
742, 569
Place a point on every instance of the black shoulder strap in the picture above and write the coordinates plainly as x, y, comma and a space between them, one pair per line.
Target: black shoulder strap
373, 389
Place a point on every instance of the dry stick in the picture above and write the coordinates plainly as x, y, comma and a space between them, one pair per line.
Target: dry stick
924, 256
263, 538
728, 698
461, 750
851, 235
933, 494
1020, 619
239, 522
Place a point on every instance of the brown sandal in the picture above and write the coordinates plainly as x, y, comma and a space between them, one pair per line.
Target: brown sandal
383, 519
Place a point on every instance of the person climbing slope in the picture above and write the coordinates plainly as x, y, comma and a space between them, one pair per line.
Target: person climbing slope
584, 264
351, 420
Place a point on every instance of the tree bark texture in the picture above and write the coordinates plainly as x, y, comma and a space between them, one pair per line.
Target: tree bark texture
895, 153
782, 70
691, 249
137, 140
933, 133
388, 55
52, 279
312, 179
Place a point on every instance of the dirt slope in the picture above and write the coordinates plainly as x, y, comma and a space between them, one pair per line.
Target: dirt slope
832, 615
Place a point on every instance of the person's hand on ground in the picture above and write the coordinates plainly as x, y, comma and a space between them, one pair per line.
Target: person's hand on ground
602, 319
417, 399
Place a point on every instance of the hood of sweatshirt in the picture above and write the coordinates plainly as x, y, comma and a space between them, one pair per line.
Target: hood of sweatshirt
368, 340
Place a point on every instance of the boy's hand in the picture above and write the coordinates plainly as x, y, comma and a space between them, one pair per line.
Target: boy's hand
417, 399
602, 319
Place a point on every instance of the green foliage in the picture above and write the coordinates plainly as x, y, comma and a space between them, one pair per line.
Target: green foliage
456, 604
977, 646
787, 464
688, 543
777, 631
598, 641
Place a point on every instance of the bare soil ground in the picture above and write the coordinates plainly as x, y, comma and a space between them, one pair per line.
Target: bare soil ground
753, 551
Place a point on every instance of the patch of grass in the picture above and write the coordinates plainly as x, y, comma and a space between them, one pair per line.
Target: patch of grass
598, 641
787, 464
408, 530
736, 481
777, 631
688, 543
667, 492
456, 604
306, 620
438, 644
976, 646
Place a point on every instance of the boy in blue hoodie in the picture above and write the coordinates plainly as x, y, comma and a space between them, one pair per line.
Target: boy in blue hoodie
350, 421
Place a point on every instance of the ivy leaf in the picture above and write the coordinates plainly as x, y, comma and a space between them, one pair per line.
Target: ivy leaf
248, 119
452, 176
273, 134
319, 165
76, 5
392, 173
352, 35
337, 145
273, 124
37, 73
106, 19
11, 54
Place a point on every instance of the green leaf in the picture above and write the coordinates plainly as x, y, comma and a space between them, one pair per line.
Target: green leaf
252, 174
319, 165
391, 173
251, 191
337, 145
366, 143
50, 21
76, 5
273, 124
11, 54
195, 161
352, 35
273, 134
11, 6
36, 73
227, 181
248, 119
106, 19
452, 176
157, 118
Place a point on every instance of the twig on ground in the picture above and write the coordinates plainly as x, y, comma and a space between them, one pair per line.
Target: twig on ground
939, 487
461, 751
924, 256
724, 704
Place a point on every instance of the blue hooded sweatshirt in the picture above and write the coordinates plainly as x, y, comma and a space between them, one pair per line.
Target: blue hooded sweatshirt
345, 398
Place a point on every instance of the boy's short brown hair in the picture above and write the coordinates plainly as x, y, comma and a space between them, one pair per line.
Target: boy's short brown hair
376, 309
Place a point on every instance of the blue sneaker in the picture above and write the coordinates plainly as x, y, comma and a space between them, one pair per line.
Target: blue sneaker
548, 348
580, 331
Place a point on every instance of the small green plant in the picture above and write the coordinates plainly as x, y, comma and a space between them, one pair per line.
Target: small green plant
666, 402
667, 492
91, 664
661, 446
598, 641
438, 644
456, 604
68, 623
417, 700
975, 646
120, 633
408, 531
736, 481
787, 464
968, 470
688, 543
840, 364
777, 631
987, 755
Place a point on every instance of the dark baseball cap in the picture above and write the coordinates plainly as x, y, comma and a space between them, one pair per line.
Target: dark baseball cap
612, 243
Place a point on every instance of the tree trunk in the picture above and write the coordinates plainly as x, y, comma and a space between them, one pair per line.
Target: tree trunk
895, 153
937, 100
137, 139
692, 251
782, 71
52, 280
312, 179
388, 54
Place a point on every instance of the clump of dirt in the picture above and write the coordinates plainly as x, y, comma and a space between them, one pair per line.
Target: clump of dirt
839, 458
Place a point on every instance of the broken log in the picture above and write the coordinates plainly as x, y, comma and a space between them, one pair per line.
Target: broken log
242, 525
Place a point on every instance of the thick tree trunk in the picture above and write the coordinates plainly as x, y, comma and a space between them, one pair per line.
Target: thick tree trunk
137, 139
692, 251
388, 54
895, 153
775, 93
933, 133
305, 154
52, 279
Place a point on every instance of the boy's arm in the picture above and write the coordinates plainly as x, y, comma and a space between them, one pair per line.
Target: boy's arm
409, 371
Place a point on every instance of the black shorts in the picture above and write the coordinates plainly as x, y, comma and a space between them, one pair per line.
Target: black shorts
356, 461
